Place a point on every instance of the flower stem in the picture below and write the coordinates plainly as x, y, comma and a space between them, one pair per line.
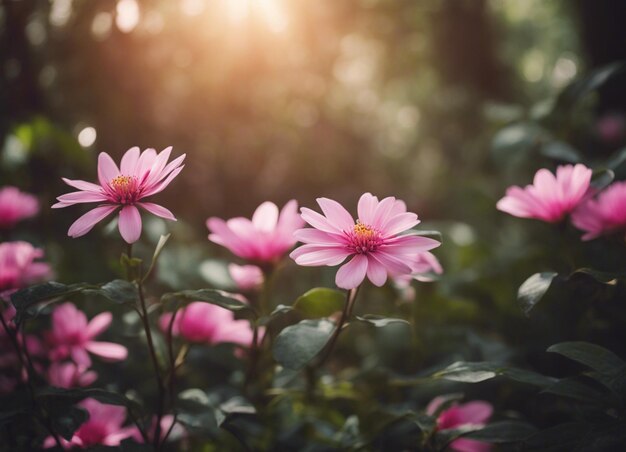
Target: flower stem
345, 314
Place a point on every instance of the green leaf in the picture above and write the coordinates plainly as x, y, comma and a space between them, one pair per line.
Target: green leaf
559, 150
432, 234
609, 278
118, 291
67, 420
277, 312
503, 432
560, 437
236, 406
574, 389
157, 252
216, 297
475, 372
196, 410
29, 297
380, 321
320, 302
53, 395
601, 179
533, 290
298, 344
610, 368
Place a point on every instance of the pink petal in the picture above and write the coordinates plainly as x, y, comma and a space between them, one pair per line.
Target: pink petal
157, 210
162, 185
144, 164
98, 324
265, 217
470, 445
129, 161
392, 263
289, 219
475, 412
367, 207
107, 169
85, 223
350, 275
312, 235
77, 197
336, 214
80, 357
376, 272
383, 210
312, 255
319, 221
159, 164
107, 350
400, 223
82, 185
130, 224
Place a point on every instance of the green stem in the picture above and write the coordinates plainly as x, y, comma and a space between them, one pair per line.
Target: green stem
172, 371
345, 314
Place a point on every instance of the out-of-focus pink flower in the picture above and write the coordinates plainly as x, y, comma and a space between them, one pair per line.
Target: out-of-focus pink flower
475, 414
140, 175
208, 323
72, 336
16, 206
550, 198
265, 238
104, 426
611, 127
70, 375
605, 214
377, 242
18, 268
246, 277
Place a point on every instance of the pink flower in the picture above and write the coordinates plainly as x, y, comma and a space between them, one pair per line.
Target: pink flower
18, 268
140, 175
550, 198
246, 277
70, 375
15, 206
72, 336
475, 414
207, 323
603, 215
264, 239
104, 426
377, 241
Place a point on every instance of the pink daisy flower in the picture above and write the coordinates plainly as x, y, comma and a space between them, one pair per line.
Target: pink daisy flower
72, 336
15, 206
18, 267
475, 413
140, 175
550, 198
265, 238
603, 215
70, 375
104, 426
246, 277
210, 324
377, 242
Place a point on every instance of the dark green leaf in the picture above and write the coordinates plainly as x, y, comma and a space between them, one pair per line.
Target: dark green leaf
26, 298
298, 344
503, 432
68, 420
533, 290
196, 410
610, 368
118, 291
277, 312
574, 389
379, 321
320, 302
561, 437
558, 150
216, 297
609, 278
53, 395
236, 406
601, 179
475, 372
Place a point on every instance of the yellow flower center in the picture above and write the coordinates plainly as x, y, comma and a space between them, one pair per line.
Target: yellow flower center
121, 182
363, 231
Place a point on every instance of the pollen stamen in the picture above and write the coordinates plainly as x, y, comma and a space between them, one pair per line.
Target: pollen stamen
364, 238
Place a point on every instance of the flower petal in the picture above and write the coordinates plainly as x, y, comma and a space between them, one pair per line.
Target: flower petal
107, 350
130, 224
98, 324
107, 169
376, 272
77, 197
350, 275
312, 255
336, 214
367, 207
265, 217
82, 185
157, 210
85, 223
318, 221
129, 161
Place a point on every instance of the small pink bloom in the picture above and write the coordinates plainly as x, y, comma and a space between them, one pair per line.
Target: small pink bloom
18, 268
377, 241
70, 375
72, 336
611, 128
246, 277
15, 206
265, 238
550, 198
207, 323
104, 426
604, 215
140, 175
475, 413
